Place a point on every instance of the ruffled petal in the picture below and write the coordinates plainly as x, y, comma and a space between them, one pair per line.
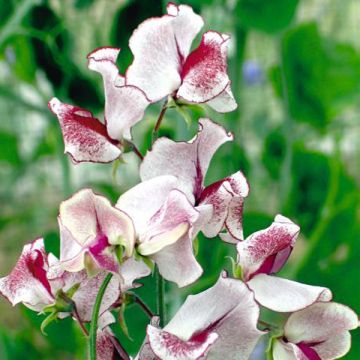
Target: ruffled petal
130, 270
204, 74
85, 137
124, 105
227, 197
159, 46
85, 296
325, 326
143, 200
169, 347
89, 225
287, 351
177, 262
188, 161
284, 295
266, 251
27, 282
228, 309
224, 102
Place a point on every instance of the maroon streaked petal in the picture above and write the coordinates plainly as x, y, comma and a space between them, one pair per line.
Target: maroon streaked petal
169, 347
143, 200
27, 282
159, 46
227, 197
85, 137
284, 295
204, 74
85, 296
188, 161
124, 105
89, 224
104, 346
264, 244
308, 351
228, 308
325, 326
224, 102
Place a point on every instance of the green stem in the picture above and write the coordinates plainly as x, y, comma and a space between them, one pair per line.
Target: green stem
155, 132
95, 315
160, 305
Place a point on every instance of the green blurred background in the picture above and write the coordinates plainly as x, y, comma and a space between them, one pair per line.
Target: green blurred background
295, 68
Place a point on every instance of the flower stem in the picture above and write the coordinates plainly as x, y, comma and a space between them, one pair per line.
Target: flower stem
121, 351
155, 132
95, 316
81, 324
160, 305
143, 306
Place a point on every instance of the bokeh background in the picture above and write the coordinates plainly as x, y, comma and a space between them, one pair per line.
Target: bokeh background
295, 70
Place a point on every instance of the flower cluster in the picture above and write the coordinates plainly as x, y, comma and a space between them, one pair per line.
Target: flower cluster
155, 223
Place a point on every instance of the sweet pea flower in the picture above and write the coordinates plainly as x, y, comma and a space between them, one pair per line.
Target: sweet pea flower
189, 161
264, 253
87, 138
37, 279
166, 224
163, 64
216, 322
318, 332
90, 230
105, 338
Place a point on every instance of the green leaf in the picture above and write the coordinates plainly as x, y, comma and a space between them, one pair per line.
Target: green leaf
9, 149
319, 75
268, 16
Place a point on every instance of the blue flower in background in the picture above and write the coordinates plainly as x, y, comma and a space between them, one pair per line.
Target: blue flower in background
252, 72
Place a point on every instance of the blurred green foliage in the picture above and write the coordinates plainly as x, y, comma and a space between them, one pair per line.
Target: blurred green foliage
296, 139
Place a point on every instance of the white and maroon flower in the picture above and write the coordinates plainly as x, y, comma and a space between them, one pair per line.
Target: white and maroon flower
105, 338
87, 138
264, 253
318, 332
37, 278
163, 64
189, 161
166, 224
217, 322
90, 228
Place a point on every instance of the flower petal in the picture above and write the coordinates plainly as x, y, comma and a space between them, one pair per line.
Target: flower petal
284, 295
204, 74
143, 200
105, 349
325, 325
224, 102
228, 309
85, 137
265, 250
287, 351
27, 283
169, 347
89, 224
124, 105
188, 161
159, 46
130, 270
85, 296
227, 197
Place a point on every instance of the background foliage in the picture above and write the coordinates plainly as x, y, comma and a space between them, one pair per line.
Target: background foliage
295, 66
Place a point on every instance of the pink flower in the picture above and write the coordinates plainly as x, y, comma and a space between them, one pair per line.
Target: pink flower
163, 64
37, 278
264, 253
90, 229
318, 332
85, 137
166, 224
221, 202
217, 322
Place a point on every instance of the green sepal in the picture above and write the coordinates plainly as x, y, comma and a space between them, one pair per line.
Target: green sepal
48, 320
119, 252
147, 261
116, 164
236, 269
185, 115
122, 321
196, 246
90, 266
